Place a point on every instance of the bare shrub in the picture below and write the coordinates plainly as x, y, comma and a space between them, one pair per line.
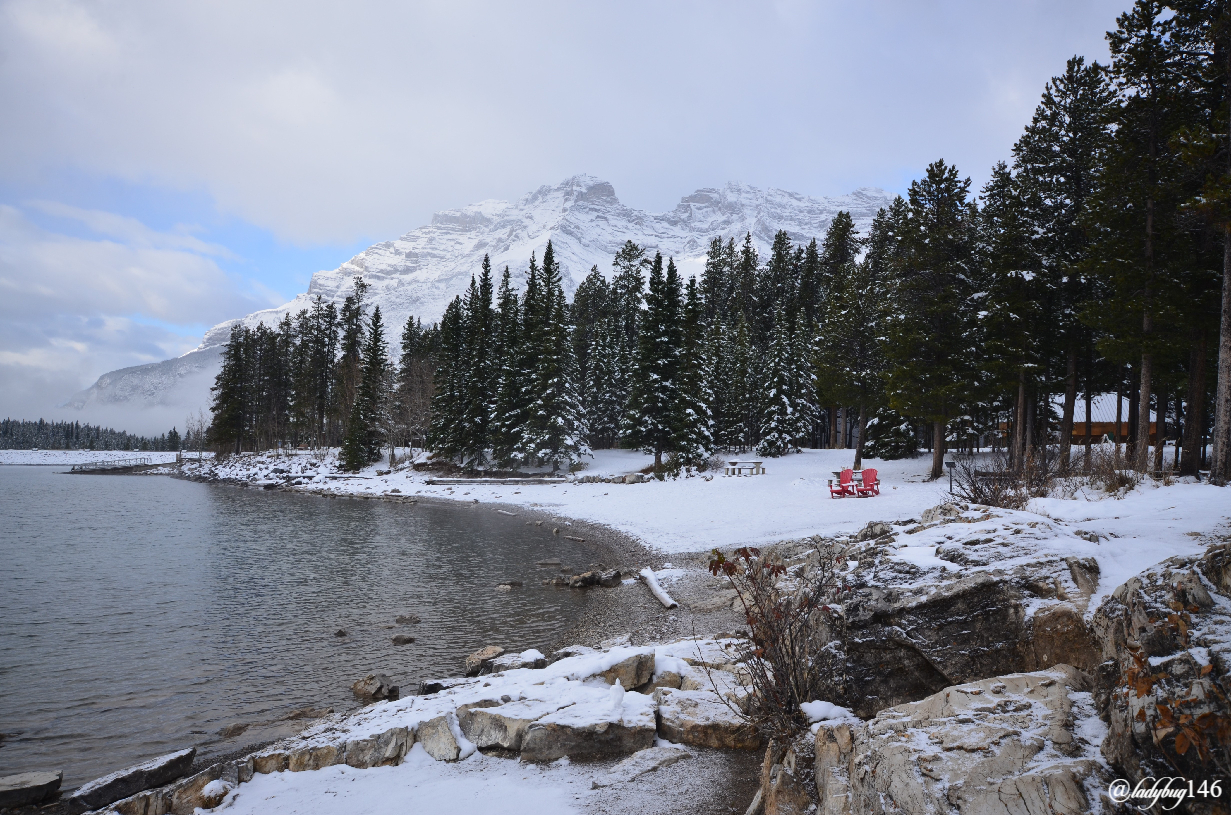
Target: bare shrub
1109, 472
990, 482
790, 657
712, 464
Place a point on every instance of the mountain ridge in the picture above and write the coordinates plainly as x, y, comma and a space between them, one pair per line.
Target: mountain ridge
419, 272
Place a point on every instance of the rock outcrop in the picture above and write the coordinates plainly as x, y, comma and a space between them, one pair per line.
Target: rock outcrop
592, 730
1166, 638
375, 688
28, 788
1024, 743
702, 719
123, 783
480, 659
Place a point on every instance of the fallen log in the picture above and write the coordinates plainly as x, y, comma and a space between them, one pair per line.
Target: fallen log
647, 574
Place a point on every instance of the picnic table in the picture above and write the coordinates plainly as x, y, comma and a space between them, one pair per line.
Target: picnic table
858, 474
738, 468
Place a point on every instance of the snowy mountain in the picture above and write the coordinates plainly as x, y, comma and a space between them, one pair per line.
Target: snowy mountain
420, 272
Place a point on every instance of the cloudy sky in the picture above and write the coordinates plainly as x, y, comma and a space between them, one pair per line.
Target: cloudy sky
166, 166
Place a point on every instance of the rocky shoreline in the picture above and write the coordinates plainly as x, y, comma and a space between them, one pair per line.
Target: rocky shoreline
628, 611
988, 674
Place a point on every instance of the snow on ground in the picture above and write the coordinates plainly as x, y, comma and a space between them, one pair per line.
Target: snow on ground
66, 458
791, 500
419, 784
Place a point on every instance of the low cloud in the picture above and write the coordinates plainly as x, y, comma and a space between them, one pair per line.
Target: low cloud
73, 308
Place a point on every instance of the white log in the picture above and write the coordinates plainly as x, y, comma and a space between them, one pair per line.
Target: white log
647, 574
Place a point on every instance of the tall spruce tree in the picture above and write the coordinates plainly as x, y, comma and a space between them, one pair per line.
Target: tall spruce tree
653, 416
696, 435
929, 340
479, 321
512, 396
365, 430
556, 430
1056, 164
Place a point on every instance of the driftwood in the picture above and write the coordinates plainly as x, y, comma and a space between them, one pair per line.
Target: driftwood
647, 574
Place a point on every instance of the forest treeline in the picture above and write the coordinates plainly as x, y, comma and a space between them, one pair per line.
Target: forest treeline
1096, 259
16, 434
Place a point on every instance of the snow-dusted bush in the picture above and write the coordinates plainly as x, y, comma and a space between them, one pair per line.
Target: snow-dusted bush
789, 657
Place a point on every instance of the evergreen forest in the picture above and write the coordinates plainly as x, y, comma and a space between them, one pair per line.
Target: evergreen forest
44, 435
1095, 260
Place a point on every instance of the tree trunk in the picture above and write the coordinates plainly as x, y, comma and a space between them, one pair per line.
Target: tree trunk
863, 429
1030, 417
938, 450
1017, 455
1134, 413
1085, 465
1220, 463
1160, 431
1066, 421
833, 428
1194, 408
1141, 450
841, 428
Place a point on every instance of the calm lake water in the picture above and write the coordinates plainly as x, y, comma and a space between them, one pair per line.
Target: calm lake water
141, 615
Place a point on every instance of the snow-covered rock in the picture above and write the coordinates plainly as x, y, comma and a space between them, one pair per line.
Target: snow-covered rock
28, 788
1023, 743
420, 272
700, 718
614, 725
131, 780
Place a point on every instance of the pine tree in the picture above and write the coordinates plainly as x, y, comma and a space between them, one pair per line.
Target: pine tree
556, 431
474, 425
604, 400
511, 406
366, 428
1056, 163
229, 425
778, 413
696, 435
445, 434
349, 367
1012, 321
652, 419
929, 344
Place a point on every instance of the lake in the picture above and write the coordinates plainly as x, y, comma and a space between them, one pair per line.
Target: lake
143, 614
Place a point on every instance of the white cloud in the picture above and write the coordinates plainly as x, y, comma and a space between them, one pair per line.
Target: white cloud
324, 122
72, 308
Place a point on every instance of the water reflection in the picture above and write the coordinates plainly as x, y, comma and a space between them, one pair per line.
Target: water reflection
142, 614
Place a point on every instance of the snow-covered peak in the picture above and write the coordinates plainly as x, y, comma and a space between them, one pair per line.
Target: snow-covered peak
420, 272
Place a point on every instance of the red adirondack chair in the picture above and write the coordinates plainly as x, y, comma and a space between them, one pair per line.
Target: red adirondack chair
846, 484
871, 484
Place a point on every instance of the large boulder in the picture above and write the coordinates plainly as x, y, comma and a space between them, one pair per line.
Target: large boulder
476, 662
702, 719
1166, 641
130, 781
912, 624
510, 662
375, 688
503, 726
610, 725
28, 788
631, 672
1021, 744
